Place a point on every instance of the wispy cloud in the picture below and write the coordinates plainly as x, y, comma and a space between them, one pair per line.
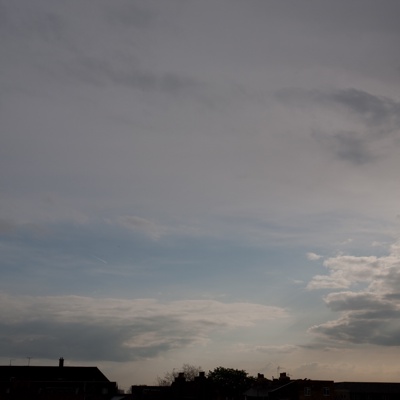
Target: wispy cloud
149, 228
116, 329
374, 110
126, 73
282, 349
369, 123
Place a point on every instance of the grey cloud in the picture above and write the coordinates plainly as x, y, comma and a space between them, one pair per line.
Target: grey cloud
357, 16
297, 97
32, 21
393, 296
98, 71
346, 329
345, 271
328, 282
284, 349
373, 110
385, 313
322, 345
126, 71
353, 329
360, 267
44, 338
348, 146
49, 26
344, 301
146, 226
169, 82
66, 50
370, 315
379, 116
115, 330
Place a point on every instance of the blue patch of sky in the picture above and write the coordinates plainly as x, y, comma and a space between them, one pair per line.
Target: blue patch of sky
107, 260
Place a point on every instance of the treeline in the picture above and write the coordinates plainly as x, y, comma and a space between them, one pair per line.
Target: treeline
228, 381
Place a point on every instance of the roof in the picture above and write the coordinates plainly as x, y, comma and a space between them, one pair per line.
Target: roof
31, 373
369, 387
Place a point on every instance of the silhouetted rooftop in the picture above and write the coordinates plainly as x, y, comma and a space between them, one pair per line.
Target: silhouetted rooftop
369, 387
56, 373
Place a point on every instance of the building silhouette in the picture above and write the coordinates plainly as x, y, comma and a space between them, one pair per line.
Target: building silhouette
54, 383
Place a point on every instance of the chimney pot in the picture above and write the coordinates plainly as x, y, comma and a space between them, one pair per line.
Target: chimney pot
283, 376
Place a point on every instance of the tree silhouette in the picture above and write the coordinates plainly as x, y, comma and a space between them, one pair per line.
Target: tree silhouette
230, 383
190, 372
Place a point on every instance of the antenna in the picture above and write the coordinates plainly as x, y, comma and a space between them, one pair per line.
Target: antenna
278, 369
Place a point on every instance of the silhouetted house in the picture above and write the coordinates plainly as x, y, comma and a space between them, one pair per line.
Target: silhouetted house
304, 389
198, 389
181, 389
286, 389
367, 391
144, 392
259, 389
55, 383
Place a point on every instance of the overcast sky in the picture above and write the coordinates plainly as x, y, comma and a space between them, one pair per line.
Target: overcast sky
209, 182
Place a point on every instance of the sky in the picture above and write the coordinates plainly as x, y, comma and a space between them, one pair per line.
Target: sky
208, 182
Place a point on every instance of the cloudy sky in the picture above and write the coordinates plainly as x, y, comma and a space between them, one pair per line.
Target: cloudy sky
209, 182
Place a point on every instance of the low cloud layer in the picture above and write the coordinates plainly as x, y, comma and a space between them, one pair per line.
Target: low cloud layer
370, 308
283, 349
86, 328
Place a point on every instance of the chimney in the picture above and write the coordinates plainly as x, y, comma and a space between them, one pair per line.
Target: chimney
284, 377
180, 379
61, 362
